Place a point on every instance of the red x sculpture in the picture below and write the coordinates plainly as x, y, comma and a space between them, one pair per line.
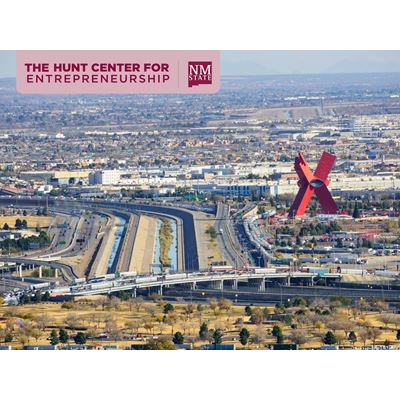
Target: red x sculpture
313, 182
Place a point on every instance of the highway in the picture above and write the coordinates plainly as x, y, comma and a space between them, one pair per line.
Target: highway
187, 240
67, 269
158, 281
282, 294
227, 238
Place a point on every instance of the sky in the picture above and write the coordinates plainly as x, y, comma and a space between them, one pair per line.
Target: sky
281, 62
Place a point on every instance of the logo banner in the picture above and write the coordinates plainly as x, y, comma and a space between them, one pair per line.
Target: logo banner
126, 71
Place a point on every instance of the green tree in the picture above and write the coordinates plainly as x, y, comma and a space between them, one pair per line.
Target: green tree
203, 332
178, 338
279, 338
8, 338
288, 319
276, 331
398, 334
217, 336
54, 338
167, 308
63, 336
244, 335
37, 298
352, 337
46, 296
18, 224
248, 311
80, 338
330, 338
356, 211
6, 227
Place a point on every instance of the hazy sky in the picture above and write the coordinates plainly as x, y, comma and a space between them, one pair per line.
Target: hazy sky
281, 62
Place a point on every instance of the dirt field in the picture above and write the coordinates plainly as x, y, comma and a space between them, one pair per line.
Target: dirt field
32, 220
212, 249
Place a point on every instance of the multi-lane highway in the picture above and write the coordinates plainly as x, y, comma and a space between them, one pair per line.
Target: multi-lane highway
187, 240
67, 269
227, 238
109, 285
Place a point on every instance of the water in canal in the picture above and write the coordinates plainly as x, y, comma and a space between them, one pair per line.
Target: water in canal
117, 241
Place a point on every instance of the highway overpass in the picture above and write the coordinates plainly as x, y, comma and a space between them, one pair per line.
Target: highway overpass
192, 280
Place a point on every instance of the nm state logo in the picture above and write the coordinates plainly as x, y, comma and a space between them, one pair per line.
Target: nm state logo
199, 73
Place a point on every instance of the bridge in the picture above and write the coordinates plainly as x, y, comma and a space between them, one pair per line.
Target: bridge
190, 280
51, 262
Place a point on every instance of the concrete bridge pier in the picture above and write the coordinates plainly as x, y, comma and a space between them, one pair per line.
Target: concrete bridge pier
235, 284
193, 285
261, 286
288, 281
217, 285
134, 292
40, 272
56, 273
19, 268
160, 290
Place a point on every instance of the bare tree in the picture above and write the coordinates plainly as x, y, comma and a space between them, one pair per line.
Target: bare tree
72, 320
189, 309
23, 340
381, 306
113, 331
103, 302
137, 302
149, 326
213, 304
374, 335
347, 326
133, 325
386, 319
42, 321
115, 303
225, 304
334, 324
364, 335
319, 303
298, 336
257, 316
171, 320
259, 336
340, 337
151, 310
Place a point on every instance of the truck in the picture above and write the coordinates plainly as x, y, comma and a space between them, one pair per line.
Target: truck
77, 281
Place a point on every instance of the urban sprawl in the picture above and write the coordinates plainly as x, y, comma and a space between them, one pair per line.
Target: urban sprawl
265, 216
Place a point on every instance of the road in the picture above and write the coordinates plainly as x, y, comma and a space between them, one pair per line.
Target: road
227, 238
188, 240
67, 269
125, 257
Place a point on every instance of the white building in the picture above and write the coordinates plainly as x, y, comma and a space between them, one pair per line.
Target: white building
105, 177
